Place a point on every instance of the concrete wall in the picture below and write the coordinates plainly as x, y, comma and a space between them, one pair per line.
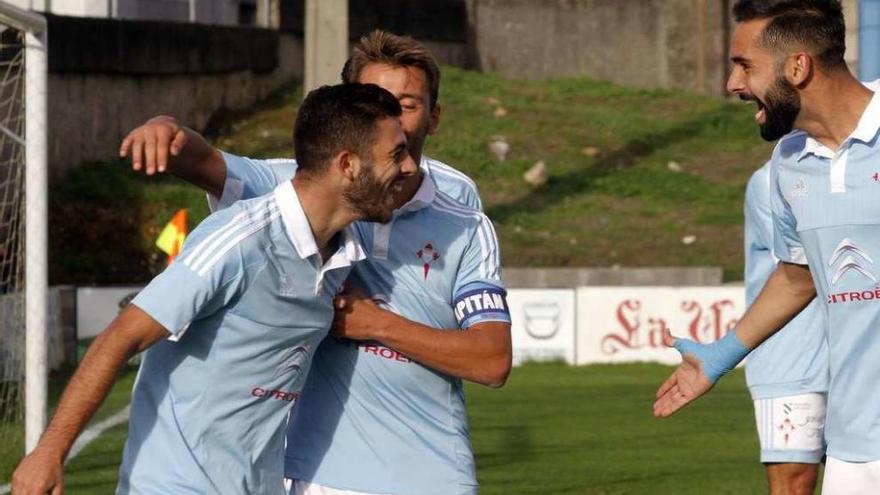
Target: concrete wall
206, 11
650, 43
100, 89
665, 43
442, 25
851, 17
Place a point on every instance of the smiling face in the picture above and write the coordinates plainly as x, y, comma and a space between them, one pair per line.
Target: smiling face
419, 119
758, 75
381, 177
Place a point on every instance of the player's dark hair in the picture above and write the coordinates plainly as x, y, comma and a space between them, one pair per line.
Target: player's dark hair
815, 26
337, 118
382, 47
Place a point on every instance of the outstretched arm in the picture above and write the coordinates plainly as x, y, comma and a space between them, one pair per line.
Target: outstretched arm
789, 290
131, 332
162, 144
481, 353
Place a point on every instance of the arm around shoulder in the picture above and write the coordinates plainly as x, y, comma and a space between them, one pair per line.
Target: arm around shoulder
161, 144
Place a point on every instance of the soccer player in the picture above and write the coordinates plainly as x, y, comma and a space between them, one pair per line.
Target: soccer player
383, 409
788, 58
787, 375
231, 326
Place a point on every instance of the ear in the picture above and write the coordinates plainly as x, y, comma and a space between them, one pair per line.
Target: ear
434, 120
799, 68
348, 164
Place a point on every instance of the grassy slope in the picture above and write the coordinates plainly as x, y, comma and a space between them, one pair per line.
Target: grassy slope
565, 430
622, 206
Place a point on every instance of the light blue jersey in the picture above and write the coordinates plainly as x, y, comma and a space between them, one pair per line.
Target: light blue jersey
247, 303
826, 208
794, 360
370, 419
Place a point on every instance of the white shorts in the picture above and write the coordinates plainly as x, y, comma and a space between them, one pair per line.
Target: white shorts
851, 478
297, 487
791, 428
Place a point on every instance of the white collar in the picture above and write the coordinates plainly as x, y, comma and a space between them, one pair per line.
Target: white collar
814, 147
866, 130
298, 230
869, 124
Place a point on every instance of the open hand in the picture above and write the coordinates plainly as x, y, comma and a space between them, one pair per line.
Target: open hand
687, 382
151, 144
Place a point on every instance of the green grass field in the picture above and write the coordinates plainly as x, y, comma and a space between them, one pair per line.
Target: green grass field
567, 430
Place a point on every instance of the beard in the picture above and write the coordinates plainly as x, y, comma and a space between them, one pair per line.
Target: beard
781, 105
369, 198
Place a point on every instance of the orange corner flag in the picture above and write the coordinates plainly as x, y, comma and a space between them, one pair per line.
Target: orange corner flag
171, 239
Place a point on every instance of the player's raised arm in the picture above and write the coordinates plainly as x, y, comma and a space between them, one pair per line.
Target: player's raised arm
162, 144
789, 289
131, 332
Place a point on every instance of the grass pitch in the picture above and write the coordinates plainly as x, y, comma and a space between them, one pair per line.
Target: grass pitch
557, 429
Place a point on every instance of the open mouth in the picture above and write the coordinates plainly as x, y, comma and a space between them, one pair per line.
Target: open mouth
761, 115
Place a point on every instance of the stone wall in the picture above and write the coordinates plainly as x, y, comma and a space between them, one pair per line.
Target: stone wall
107, 76
659, 43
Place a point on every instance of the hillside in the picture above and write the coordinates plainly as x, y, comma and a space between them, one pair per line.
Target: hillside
636, 177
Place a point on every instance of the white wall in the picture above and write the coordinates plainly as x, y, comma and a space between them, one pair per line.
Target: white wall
591, 325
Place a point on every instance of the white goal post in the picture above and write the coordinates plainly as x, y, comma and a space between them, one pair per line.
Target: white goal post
36, 213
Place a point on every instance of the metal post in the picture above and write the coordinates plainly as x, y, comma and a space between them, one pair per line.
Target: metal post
36, 230
36, 217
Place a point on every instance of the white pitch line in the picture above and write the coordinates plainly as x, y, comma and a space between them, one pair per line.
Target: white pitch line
87, 437
97, 430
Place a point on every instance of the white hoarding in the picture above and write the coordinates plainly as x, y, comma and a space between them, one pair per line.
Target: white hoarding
543, 324
625, 324
97, 306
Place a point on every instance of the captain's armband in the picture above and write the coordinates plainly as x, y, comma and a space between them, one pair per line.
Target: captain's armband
480, 302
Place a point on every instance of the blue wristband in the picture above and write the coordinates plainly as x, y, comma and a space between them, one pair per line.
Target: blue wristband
719, 357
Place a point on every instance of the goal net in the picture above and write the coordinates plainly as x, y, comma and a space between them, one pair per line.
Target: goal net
12, 236
23, 350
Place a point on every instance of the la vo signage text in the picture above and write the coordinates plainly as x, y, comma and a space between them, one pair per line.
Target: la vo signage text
626, 324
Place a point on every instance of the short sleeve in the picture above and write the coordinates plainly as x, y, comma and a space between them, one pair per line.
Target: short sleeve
479, 293
202, 279
248, 178
787, 244
758, 214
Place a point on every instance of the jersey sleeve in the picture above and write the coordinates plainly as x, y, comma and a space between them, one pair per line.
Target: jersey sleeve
787, 244
759, 258
202, 279
758, 214
479, 293
248, 178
